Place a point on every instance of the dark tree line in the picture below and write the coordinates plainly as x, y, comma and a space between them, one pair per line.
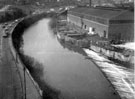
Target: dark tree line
10, 15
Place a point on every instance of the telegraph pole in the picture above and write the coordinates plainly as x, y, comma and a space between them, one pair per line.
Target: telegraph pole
25, 94
90, 3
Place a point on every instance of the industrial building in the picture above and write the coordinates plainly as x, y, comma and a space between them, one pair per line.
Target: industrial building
110, 23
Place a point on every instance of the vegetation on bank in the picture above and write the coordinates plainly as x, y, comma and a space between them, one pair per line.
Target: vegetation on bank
35, 68
53, 25
23, 25
9, 13
37, 71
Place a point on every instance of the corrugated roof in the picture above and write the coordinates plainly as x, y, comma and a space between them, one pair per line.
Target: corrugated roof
105, 13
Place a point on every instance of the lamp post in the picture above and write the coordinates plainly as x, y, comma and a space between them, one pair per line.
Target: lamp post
90, 3
24, 78
24, 70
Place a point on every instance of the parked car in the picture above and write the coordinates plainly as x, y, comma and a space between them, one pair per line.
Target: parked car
6, 34
4, 25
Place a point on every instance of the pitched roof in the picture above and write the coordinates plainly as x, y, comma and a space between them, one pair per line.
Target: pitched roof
127, 15
105, 13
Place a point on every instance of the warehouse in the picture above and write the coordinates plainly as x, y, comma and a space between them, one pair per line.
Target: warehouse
110, 23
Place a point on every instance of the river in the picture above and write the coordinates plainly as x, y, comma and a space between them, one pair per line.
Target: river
65, 67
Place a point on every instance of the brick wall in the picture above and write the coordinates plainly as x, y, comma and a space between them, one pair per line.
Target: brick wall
121, 32
98, 28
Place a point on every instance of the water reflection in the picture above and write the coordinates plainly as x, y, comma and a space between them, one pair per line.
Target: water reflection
65, 67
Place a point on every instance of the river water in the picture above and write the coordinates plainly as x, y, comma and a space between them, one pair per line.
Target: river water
65, 67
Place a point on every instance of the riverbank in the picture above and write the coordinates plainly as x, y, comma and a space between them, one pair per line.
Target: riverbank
31, 63
80, 37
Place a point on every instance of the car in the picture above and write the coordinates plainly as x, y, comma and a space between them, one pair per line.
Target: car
16, 20
51, 9
13, 22
60, 8
3, 26
6, 29
6, 35
5, 23
48, 11
10, 25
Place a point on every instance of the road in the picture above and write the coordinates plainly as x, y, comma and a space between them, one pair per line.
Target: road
10, 86
12, 75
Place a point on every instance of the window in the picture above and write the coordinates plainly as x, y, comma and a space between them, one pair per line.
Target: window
85, 26
93, 29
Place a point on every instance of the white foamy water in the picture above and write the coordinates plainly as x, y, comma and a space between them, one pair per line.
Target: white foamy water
130, 45
121, 77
